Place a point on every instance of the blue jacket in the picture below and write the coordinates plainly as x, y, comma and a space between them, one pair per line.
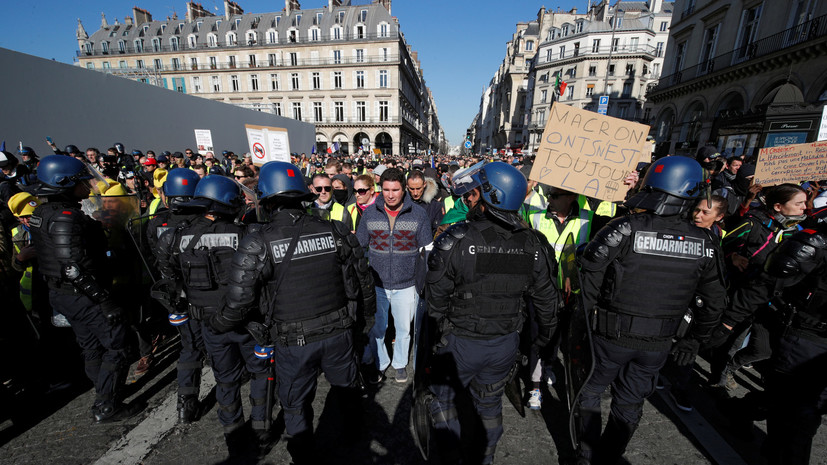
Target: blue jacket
394, 254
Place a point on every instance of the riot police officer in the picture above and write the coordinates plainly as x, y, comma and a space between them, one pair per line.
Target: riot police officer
178, 189
635, 323
284, 263
478, 275
71, 249
795, 282
199, 255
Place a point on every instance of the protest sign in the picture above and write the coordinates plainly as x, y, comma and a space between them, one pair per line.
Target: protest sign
203, 140
268, 144
791, 163
587, 153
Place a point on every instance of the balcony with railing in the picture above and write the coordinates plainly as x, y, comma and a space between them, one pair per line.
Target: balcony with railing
803, 33
598, 52
131, 48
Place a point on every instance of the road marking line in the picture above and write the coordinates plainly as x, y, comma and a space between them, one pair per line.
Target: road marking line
136, 445
716, 446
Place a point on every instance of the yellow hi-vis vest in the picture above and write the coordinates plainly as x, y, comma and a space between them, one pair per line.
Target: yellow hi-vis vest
354, 214
579, 228
534, 203
153, 206
20, 235
605, 208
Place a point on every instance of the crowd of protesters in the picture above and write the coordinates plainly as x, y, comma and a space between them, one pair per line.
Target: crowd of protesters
396, 207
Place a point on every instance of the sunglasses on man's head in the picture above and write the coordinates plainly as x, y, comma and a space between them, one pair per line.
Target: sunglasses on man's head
362, 191
323, 188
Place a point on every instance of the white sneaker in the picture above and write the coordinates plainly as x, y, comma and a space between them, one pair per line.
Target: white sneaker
535, 399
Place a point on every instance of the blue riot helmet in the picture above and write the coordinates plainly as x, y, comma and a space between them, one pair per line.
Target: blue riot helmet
59, 174
502, 186
218, 194
137, 153
281, 180
72, 149
179, 187
671, 185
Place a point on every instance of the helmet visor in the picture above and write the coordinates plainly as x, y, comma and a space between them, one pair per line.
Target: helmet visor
465, 180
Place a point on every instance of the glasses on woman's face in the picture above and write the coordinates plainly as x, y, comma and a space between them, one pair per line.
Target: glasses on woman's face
240, 177
323, 188
362, 191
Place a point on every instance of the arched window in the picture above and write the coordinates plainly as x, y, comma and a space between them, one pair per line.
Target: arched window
156, 44
173, 44
212, 40
272, 36
232, 38
139, 45
252, 37
314, 34
192, 40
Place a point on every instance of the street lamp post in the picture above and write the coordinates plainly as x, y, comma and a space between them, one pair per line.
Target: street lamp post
618, 13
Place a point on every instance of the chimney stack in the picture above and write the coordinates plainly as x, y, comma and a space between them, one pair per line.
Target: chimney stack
231, 8
290, 6
331, 4
141, 16
104, 24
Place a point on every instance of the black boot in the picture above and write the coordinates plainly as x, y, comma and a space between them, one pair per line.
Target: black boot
109, 412
613, 442
188, 408
302, 449
240, 442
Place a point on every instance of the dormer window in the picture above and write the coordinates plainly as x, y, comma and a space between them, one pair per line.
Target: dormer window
336, 32
156, 44
565, 29
212, 40
88, 47
232, 39
383, 30
139, 45
180, 28
252, 38
198, 25
341, 17
237, 22
580, 26
314, 34
192, 40
278, 20
145, 28
359, 31
293, 35
298, 20
163, 28
363, 15
121, 46
272, 36
318, 19
217, 23
173, 44
105, 47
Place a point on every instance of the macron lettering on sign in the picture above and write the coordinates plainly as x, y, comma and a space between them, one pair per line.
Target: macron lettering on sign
670, 245
307, 246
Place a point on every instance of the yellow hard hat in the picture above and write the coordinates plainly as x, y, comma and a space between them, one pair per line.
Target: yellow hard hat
23, 204
160, 177
114, 190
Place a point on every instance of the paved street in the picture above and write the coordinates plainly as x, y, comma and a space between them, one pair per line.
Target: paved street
67, 436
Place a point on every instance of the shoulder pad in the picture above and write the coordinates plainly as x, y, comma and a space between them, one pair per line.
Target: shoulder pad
787, 260
252, 244
340, 228
623, 225
451, 236
613, 233
812, 238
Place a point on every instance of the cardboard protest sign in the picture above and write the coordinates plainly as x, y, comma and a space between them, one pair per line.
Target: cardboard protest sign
791, 163
268, 144
588, 153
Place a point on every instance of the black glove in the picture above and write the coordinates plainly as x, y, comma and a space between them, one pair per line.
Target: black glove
113, 312
260, 333
219, 324
685, 350
719, 337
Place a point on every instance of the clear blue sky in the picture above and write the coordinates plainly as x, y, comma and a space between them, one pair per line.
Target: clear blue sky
460, 42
